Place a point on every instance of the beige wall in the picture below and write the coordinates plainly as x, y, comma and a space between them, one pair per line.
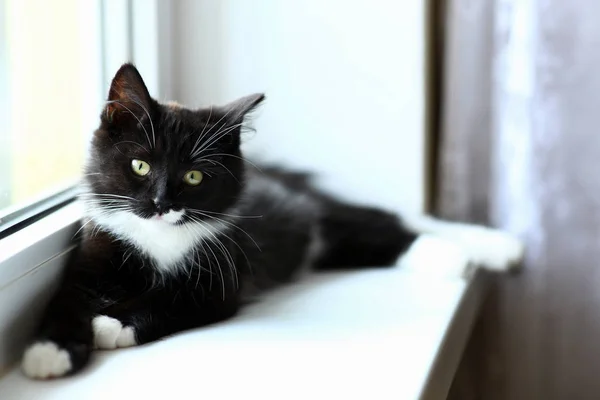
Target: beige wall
338, 74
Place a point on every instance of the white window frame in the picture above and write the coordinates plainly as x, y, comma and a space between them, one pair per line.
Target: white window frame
4, 139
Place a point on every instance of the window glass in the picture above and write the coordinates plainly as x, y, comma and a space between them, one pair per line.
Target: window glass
50, 93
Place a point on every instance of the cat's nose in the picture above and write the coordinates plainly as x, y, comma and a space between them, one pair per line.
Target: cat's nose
162, 206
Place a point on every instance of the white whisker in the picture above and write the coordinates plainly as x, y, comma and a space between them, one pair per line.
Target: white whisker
228, 257
82, 226
107, 195
132, 142
149, 118
218, 129
201, 136
215, 138
222, 165
240, 158
126, 258
231, 215
223, 221
135, 116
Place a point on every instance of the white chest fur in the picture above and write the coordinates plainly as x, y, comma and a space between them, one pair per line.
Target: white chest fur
165, 243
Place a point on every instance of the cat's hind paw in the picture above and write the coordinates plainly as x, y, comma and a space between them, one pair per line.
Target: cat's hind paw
492, 249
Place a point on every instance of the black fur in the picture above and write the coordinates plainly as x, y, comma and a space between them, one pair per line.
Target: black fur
278, 215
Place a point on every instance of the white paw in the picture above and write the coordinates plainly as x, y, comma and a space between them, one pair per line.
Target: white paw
436, 256
490, 248
109, 333
43, 360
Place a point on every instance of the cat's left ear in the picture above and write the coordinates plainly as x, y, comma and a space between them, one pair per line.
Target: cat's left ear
128, 97
238, 109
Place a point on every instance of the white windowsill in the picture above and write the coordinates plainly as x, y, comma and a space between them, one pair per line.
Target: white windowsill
381, 333
31, 247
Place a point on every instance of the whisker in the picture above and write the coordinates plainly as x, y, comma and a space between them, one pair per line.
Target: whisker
209, 267
215, 138
216, 124
222, 165
228, 223
228, 257
108, 200
79, 230
108, 195
135, 116
207, 257
227, 215
220, 271
194, 253
149, 118
230, 261
223, 130
132, 142
240, 158
127, 258
203, 128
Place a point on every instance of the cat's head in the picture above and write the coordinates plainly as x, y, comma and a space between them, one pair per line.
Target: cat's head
164, 162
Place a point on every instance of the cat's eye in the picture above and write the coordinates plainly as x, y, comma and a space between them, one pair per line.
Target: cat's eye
141, 168
193, 178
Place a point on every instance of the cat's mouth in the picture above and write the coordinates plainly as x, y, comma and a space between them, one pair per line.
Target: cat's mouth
171, 217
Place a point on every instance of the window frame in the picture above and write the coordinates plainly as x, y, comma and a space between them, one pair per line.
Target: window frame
18, 217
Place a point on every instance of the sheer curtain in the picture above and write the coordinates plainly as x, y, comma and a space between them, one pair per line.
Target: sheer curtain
521, 150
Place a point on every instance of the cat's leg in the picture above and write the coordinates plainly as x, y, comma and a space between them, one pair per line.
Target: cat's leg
485, 247
355, 236
63, 343
158, 314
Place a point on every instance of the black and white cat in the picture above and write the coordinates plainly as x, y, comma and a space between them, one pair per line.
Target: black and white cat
181, 230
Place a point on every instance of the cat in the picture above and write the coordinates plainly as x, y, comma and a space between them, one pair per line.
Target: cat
180, 231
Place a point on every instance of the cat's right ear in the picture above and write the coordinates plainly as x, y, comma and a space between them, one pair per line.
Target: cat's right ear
128, 98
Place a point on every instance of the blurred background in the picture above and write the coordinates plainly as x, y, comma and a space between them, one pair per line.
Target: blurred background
349, 84
481, 111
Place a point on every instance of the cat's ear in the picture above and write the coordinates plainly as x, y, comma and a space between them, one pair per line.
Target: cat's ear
238, 109
128, 97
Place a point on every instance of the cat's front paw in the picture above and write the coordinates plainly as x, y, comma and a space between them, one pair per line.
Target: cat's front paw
45, 359
109, 333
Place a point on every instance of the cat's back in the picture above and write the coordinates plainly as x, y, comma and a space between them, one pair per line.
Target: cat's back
280, 194
277, 222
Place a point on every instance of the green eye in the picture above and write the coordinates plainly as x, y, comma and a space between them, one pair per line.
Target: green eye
193, 178
141, 168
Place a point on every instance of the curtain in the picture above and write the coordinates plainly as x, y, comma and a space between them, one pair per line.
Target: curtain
520, 150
